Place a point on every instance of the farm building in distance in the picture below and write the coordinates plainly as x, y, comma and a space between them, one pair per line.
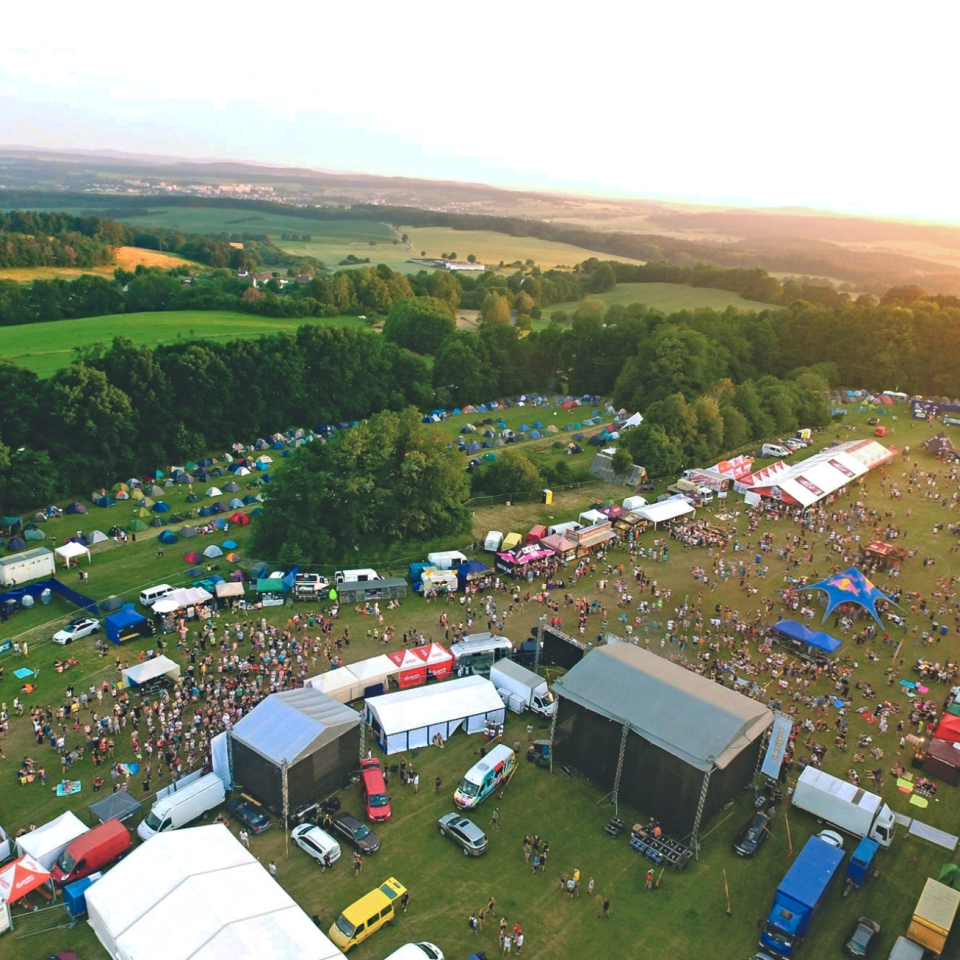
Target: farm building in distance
684, 733
438, 263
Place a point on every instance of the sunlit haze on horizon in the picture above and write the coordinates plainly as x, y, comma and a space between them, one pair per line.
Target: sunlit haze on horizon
844, 107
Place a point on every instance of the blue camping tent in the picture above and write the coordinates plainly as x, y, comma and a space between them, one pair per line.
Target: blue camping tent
814, 640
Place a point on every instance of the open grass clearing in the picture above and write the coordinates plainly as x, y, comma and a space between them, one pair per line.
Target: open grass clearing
126, 257
46, 347
685, 916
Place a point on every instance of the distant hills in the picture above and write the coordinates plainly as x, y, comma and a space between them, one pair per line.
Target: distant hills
857, 254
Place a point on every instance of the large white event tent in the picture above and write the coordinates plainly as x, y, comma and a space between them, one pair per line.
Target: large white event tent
199, 894
47, 842
665, 510
412, 718
353, 681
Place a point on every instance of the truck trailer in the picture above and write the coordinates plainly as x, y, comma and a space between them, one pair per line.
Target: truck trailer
800, 895
845, 806
521, 689
934, 916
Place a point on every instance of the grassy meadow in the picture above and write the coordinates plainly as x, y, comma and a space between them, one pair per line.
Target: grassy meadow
46, 347
686, 916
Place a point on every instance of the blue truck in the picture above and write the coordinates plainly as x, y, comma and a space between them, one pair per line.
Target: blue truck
800, 895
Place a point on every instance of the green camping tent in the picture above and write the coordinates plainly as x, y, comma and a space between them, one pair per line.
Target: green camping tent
138, 526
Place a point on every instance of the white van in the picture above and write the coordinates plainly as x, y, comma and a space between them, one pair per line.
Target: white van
416, 951
151, 595
479, 646
774, 450
179, 808
356, 576
492, 541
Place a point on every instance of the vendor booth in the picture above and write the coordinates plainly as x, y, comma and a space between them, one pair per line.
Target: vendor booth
388, 588
438, 582
227, 592
941, 760
151, 673
597, 534
71, 552
412, 718
804, 642
46, 843
127, 624
339, 683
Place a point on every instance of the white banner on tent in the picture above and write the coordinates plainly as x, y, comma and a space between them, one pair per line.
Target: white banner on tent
179, 784
220, 754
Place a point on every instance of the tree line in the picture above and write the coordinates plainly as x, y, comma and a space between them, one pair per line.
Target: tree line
120, 410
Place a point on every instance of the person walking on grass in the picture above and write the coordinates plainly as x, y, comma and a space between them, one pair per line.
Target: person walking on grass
604, 909
495, 817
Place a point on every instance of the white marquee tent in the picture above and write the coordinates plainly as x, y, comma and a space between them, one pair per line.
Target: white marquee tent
340, 683
412, 718
141, 673
72, 550
46, 843
665, 510
198, 894
349, 682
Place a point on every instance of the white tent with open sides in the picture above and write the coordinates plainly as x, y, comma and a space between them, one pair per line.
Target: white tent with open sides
141, 673
46, 843
71, 551
413, 717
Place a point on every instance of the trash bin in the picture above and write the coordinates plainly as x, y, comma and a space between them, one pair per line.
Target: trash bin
943, 630
26, 602
47, 596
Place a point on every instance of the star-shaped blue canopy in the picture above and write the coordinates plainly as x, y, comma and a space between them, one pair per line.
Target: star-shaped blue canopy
851, 586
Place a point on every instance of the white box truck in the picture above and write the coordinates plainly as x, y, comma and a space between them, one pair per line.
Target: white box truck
179, 808
520, 687
843, 805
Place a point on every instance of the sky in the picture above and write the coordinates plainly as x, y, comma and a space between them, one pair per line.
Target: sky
834, 106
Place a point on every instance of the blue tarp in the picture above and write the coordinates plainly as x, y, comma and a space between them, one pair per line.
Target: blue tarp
120, 622
812, 638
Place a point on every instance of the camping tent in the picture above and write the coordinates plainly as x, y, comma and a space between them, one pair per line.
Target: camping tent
318, 736
684, 733
212, 551
149, 670
199, 894
71, 551
46, 843
167, 537
412, 718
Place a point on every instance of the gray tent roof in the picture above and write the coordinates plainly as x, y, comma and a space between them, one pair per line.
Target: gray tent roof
683, 713
293, 724
119, 805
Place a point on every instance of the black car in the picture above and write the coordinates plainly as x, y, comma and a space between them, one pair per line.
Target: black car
357, 834
862, 938
753, 834
250, 815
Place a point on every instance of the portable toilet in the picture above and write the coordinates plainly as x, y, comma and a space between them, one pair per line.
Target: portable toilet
75, 894
492, 541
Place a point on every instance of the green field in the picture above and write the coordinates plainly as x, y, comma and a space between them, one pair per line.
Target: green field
46, 347
685, 917
490, 247
668, 297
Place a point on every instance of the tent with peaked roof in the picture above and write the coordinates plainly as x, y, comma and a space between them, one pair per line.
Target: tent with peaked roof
851, 586
47, 842
20, 877
942, 445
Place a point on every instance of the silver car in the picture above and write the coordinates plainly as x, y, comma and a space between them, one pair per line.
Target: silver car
75, 629
471, 839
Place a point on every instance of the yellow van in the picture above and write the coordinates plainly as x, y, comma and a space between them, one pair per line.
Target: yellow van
367, 915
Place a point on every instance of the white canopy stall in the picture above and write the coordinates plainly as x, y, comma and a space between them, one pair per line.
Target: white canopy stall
141, 673
340, 683
46, 843
71, 551
412, 718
